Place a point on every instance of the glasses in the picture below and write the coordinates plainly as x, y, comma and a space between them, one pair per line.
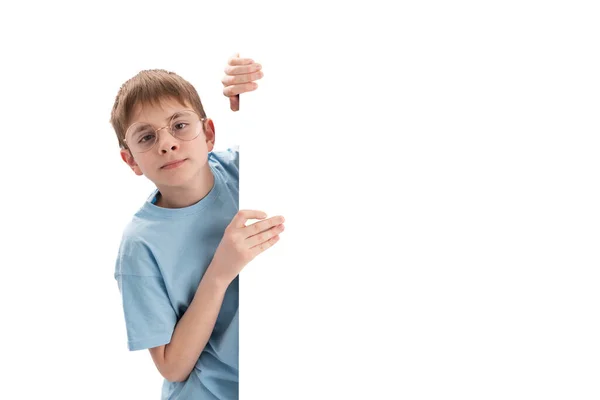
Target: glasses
183, 125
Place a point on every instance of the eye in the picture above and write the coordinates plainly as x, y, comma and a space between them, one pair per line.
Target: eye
146, 138
179, 126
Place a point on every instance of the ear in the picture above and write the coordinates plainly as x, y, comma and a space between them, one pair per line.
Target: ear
209, 133
129, 160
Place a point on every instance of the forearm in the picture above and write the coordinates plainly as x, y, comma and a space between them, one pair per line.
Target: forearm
193, 330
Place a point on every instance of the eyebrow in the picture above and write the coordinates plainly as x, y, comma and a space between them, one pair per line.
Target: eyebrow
176, 114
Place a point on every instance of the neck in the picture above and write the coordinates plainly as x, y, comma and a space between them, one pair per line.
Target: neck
179, 197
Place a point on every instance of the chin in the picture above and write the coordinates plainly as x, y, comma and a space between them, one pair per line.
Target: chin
189, 177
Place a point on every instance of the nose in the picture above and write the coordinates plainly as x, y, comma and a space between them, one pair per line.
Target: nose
166, 141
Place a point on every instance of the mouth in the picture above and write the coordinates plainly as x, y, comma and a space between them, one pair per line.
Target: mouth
173, 164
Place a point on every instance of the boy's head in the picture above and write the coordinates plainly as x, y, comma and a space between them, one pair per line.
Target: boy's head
158, 118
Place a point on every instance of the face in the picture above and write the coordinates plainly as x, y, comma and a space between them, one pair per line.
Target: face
157, 164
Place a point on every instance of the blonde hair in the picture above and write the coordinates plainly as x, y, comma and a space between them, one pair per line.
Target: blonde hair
150, 87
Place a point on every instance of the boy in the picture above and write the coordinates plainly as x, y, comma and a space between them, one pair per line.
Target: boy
180, 256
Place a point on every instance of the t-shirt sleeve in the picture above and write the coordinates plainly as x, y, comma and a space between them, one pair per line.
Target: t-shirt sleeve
229, 161
236, 151
149, 316
233, 154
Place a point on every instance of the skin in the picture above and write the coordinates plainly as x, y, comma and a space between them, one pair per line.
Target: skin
186, 185
240, 75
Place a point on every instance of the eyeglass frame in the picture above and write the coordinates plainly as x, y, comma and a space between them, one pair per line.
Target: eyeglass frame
201, 119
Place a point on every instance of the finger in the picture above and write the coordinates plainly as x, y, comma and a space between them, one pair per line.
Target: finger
256, 250
234, 102
237, 60
261, 226
264, 236
230, 80
239, 220
243, 69
230, 91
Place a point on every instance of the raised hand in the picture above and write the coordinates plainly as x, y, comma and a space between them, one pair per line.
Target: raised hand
241, 243
240, 77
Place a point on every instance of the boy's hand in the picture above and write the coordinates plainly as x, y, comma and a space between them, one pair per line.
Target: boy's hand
241, 243
240, 75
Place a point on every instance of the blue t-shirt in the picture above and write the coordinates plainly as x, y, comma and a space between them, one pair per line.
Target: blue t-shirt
163, 255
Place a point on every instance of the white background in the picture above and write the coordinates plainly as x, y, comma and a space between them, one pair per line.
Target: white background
437, 166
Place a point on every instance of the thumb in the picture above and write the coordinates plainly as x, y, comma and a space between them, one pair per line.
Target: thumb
234, 102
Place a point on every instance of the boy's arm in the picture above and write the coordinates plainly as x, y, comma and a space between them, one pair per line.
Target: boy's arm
240, 245
240, 74
176, 360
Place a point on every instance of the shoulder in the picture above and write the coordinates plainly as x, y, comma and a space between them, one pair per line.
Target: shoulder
227, 160
135, 256
229, 155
